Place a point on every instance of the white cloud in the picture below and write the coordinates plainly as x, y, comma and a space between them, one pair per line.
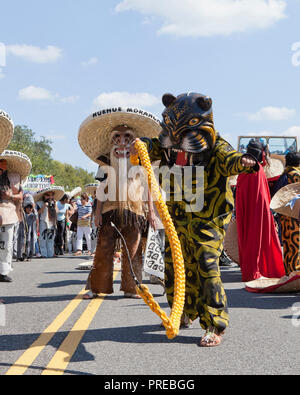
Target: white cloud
272, 114
70, 99
292, 131
203, 18
126, 99
34, 93
35, 54
90, 62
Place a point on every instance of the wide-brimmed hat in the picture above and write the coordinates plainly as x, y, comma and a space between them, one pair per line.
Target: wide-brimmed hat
6, 130
90, 189
77, 191
17, 162
95, 132
274, 169
287, 284
231, 242
287, 201
58, 193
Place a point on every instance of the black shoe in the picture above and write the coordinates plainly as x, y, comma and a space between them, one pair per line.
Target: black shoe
5, 279
225, 261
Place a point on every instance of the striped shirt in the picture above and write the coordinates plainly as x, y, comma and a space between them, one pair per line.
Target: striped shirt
83, 211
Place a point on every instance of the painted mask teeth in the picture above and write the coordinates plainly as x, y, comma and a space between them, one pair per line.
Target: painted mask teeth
179, 151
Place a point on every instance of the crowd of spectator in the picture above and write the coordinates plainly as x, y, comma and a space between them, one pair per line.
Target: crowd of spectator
51, 223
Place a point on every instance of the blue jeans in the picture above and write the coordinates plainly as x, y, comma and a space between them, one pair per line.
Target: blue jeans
46, 240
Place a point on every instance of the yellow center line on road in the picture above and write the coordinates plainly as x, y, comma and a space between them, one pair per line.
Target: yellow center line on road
30, 355
62, 357
64, 354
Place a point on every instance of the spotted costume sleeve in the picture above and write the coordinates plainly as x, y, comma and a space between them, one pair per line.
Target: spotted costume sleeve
230, 161
293, 176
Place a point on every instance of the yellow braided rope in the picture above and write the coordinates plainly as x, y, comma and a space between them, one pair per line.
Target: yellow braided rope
172, 323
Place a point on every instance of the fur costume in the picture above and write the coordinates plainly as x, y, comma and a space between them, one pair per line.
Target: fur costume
105, 137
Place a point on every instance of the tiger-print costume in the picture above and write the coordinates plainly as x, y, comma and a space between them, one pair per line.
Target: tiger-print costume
201, 233
291, 231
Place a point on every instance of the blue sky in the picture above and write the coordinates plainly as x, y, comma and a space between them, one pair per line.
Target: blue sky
64, 59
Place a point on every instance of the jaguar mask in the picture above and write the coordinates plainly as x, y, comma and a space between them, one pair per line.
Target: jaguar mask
188, 134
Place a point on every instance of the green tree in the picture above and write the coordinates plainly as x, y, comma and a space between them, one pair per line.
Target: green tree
40, 151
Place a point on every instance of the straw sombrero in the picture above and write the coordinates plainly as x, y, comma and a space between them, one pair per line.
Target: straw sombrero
17, 163
90, 189
77, 191
287, 201
95, 131
287, 284
231, 242
274, 169
6, 130
58, 193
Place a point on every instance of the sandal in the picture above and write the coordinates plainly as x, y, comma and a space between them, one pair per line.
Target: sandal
89, 296
78, 253
212, 338
131, 296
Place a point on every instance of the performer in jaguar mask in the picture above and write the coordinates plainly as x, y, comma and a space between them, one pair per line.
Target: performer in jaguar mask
190, 139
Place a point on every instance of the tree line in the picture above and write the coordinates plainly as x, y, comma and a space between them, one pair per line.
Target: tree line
40, 151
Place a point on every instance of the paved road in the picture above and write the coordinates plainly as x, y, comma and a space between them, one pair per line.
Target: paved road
49, 326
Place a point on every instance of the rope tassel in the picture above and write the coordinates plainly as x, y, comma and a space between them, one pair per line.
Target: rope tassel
172, 323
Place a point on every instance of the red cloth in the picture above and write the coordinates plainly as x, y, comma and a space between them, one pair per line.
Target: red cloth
259, 245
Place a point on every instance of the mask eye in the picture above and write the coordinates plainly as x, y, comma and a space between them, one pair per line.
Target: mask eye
194, 122
167, 120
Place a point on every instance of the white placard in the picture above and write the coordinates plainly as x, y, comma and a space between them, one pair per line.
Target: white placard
154, 263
